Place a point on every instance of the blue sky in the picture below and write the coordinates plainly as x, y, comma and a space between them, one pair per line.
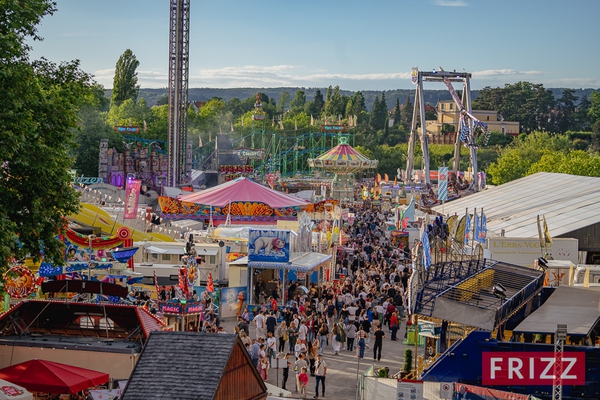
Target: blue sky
358, 45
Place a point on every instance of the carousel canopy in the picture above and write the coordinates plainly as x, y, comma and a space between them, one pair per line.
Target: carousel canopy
243, 189
343, 158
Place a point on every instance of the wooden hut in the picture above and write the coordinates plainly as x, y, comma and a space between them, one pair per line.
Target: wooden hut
194, 366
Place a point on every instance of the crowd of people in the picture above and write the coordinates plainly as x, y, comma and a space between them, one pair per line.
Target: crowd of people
351, 313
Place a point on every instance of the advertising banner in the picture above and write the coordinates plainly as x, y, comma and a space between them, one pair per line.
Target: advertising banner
269, 245
470, 392
233, 301
132, 195
532, 368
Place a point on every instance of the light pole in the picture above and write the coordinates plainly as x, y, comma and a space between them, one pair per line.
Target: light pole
90, 251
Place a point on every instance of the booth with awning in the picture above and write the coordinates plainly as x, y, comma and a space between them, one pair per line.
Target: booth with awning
303, 268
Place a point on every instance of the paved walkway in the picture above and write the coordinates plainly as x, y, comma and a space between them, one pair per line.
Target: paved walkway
341, 381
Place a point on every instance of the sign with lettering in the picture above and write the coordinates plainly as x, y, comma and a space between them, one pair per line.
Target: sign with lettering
532, 368
523, 251
170, 308
194, 308
245, 152
333, 128
128, 129
86, 180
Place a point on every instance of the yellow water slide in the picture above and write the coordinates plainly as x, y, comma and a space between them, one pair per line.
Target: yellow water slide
92, 215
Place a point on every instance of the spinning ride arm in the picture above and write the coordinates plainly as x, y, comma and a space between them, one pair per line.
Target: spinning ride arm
467, 125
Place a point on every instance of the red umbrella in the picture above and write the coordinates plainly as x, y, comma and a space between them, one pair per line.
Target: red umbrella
52, 377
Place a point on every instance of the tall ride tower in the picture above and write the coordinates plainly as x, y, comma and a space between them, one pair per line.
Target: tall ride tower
180, 162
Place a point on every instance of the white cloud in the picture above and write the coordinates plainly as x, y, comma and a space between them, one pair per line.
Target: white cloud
299, 76
450, 3
503, 72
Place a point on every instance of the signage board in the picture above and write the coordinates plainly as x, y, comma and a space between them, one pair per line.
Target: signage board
409, 390
446, 390
524, 251
531, 368
269, 245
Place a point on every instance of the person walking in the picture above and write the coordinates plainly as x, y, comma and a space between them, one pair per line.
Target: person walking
320, 374
323, 335
302, 382
292, 336
255, 352
378, 335
394, 325
350, 330
336, 340
282, 334
361, 335
259, 323
298, 366
286, 370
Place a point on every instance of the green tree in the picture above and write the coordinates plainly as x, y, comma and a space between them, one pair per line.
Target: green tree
594, 110
93, 127
582, 119
319, 102
37, 120
407, 111
379, 113
335, 106
566, 111
576, 162
125, 81
299, 100
397, 115
284, 100
515, 160
529, 104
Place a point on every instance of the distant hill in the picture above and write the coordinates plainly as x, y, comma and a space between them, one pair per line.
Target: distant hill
430, 96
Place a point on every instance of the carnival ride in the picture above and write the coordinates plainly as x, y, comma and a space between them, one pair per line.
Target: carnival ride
472, 132
287, 154
343, 161
94, 216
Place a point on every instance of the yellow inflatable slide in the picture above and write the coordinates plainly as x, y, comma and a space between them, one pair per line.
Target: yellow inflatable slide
92, 215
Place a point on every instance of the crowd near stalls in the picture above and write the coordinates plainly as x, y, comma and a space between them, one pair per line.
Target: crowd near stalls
355, 312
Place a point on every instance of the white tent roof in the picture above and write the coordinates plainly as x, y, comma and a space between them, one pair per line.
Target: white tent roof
569, 202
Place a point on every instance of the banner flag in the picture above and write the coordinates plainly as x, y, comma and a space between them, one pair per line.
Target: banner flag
442, 192
480, 233
132, 195
410, 210
547, 237
540, 236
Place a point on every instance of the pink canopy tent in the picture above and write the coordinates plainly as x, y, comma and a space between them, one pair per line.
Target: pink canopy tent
242, 189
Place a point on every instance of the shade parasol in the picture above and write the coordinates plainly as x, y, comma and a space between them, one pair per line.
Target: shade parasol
10, 391
52, 377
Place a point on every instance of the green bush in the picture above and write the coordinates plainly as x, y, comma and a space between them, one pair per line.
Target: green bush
408, 360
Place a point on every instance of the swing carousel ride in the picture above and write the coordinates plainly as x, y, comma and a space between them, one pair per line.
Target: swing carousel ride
344, 162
